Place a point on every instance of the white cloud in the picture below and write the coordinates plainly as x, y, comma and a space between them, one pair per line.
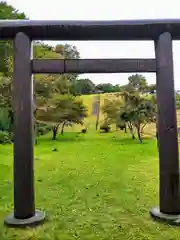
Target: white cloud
107, 10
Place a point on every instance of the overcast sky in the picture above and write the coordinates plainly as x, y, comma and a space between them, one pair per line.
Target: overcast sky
107, 10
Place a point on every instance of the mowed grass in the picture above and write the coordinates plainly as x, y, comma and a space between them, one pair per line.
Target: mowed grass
96, 186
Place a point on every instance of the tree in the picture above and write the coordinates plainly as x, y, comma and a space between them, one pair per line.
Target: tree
64, 110
178, 101
138, 83
111, 110
116, 111
42, 50
6, 50
50, 82
134, 110
116, 88
108, 87
105, 87
138, 111
4, 120
6, 99
43, 83
151, 88
46, 86
68, 51
125, 111
82, 86
127, 88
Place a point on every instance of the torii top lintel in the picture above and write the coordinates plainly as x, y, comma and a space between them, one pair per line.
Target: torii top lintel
148, 29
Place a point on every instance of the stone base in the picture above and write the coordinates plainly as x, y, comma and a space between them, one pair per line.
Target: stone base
37, 219
166, 218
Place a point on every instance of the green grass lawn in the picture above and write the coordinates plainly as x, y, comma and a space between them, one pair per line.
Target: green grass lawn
97, 186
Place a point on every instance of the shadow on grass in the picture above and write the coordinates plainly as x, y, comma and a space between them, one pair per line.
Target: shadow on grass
130, 141
70, 137
67, 137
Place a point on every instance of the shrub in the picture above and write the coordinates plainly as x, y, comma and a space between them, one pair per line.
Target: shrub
121, 126
43, 129
11, 136
84, 130
4, 137
105, 127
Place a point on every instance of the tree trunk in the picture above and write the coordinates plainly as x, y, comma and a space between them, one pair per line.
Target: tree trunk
131, 130
11, 116
142, 128
125, 129
35, 132
97, 118
62, 129
157, 137
139, 133
55, 130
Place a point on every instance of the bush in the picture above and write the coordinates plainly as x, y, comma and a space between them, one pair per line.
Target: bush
11, 136
121, 126
84, 130
43, 129
105, 127
4, 137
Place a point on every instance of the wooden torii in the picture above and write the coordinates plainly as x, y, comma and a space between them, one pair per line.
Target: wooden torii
162, 32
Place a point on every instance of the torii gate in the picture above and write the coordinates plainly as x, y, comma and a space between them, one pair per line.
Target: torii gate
162, 32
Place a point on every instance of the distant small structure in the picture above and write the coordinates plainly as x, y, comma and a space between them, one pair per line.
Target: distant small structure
99, 91
96, 106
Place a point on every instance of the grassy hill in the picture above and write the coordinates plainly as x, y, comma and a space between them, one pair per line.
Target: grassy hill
91, 120
149, 130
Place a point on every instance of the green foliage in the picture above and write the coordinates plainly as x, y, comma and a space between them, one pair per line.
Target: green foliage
5, 93
67, 51
111, 110
178, 101
137, 112
43, 129
107, 88
45, 86
82, 86
63, 109
151, 88
4, 137
58, 83
121, 125
42, 50
4, 120
105, 127
6, 101
7, 12
134, 109
138, 83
